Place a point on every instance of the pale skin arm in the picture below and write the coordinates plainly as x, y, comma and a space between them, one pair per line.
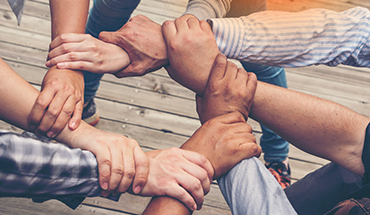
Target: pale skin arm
61, 88
123, 166
17, 98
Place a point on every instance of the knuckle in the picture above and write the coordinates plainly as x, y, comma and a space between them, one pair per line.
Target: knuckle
130, 173
42, 102
64, 47
72, 56
53, 112
237, 115
118, 171
68, 110
81, 65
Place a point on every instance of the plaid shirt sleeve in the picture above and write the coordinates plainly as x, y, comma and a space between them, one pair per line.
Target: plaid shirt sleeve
42, 170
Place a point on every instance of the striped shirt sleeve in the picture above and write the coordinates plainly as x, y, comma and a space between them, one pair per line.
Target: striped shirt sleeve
287, 39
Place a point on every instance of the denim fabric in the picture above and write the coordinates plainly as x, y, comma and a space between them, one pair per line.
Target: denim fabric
105, 15
274, 147
249, 188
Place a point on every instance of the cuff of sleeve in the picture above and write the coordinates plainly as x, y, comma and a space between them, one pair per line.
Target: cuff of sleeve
229, 34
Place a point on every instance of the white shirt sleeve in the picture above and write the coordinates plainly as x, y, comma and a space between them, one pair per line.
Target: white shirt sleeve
286, 39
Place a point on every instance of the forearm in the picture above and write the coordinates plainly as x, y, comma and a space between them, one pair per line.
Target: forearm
318, 126
68, 16
305, 38
165, 205
206, 9
17, 99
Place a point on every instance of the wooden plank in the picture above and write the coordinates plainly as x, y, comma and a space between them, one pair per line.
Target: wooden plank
21, 206
295, 6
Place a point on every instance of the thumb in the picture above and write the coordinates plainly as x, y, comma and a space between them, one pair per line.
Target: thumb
108, 37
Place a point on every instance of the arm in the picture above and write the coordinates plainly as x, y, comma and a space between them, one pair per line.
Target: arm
122, 164
225, 141
306, 121
17, 98
286, 39
61, 89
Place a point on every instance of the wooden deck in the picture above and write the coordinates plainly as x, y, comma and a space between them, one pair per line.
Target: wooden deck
156, 111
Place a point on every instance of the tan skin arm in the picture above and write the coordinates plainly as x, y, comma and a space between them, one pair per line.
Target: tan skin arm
61, 89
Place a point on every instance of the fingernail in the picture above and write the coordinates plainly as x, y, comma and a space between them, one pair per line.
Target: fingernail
105, 186
137, 189
32, 127
50, 134
73, 125
194, 207
60, 65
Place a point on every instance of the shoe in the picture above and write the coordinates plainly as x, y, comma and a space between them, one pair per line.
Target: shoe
90, 113
280, 172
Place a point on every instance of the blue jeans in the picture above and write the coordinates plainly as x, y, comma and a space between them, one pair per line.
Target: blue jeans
274, 147
249, 188
105, 15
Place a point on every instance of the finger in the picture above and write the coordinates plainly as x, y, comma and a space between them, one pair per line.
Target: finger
240, 127
67, 38
104, 165
231, 72
63, 117
70, 57
52, 113
169, 31
116, 182
182, 195
109, 37
193, 186
252, 83
205, 27
250, 148
199, 160
200, 174
127, 172
77, 115
193, 23
218, 68
66, 48
142, 170
39, 108
181, 24
79, 65
199, 102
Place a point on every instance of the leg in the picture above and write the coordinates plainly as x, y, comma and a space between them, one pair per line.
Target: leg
105, 15
276, 149
322, 189
249, 187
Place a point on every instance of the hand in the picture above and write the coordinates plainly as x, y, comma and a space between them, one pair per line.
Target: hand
225, 141
121, 161
178, 173
191, 49
229, 89
60, 99
142, 39
84, 52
